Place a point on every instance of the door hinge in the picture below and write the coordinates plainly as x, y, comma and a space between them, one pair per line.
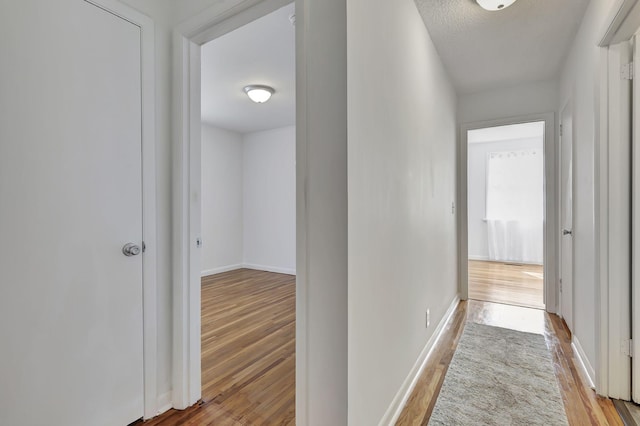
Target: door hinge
198, 242
560, 282
561, 130
627, 347
626, 71
144, 247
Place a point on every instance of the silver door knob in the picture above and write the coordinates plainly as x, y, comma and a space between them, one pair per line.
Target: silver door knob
567, 232
131, 249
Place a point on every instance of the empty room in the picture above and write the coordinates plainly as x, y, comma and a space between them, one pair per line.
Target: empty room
248, 221
506, 214
248, 226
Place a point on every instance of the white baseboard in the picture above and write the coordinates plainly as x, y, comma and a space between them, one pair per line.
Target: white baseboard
221, 269
395, 409
164, 403
587, 369
269, 268
514, 262
227, 268
474, 257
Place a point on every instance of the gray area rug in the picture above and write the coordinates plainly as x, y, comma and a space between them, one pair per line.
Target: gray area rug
499, 377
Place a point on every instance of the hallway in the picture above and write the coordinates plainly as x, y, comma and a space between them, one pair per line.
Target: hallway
101, 207
582, 405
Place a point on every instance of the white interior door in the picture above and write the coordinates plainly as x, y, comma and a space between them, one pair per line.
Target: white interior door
70, 199
566, 215
635, 229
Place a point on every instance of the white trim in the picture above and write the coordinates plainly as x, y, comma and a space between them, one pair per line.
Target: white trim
507, 262
221, 269
550, 228
568, 317
601, 221
149, 210
400, 399
267, 268
253, 266
619, 27
481, 258
635, 237
187, 39
463, 213
587, 369
619, 226
186, 335
164, 402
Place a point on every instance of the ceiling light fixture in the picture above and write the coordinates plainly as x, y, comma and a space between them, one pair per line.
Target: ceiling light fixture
493, 5
258, 93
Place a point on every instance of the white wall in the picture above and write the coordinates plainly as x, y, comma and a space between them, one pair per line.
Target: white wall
321, 212
402, 181
248, 200
269, 188
579, 83
477, 189
530, 98
222, 200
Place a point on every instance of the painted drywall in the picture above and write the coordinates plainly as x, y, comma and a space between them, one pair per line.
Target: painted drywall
579, 83
402, 182
477, 186
248, 200
529, 98
222, 200
321, 212
269, 194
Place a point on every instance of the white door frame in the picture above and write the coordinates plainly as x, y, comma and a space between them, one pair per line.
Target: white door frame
611, 376
149, 261
635, 219
567, 104
187, 40
550, 226
321, 201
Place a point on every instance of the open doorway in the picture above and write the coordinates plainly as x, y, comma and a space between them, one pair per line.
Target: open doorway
506, 205
248, 216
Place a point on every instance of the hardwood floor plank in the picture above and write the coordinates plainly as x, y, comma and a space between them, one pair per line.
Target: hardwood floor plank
582, 405
248, 352
513, 284
248, 356
422, 400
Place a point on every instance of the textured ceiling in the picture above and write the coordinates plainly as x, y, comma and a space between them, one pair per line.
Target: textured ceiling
486, 50
261, 52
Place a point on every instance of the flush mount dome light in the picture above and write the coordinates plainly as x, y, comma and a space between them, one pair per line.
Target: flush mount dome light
494, 5
259, 94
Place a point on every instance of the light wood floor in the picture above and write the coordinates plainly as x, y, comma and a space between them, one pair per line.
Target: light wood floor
513, 284
248, 352
248, 356
582, 405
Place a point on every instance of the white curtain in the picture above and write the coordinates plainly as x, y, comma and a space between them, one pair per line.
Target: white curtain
515, 205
